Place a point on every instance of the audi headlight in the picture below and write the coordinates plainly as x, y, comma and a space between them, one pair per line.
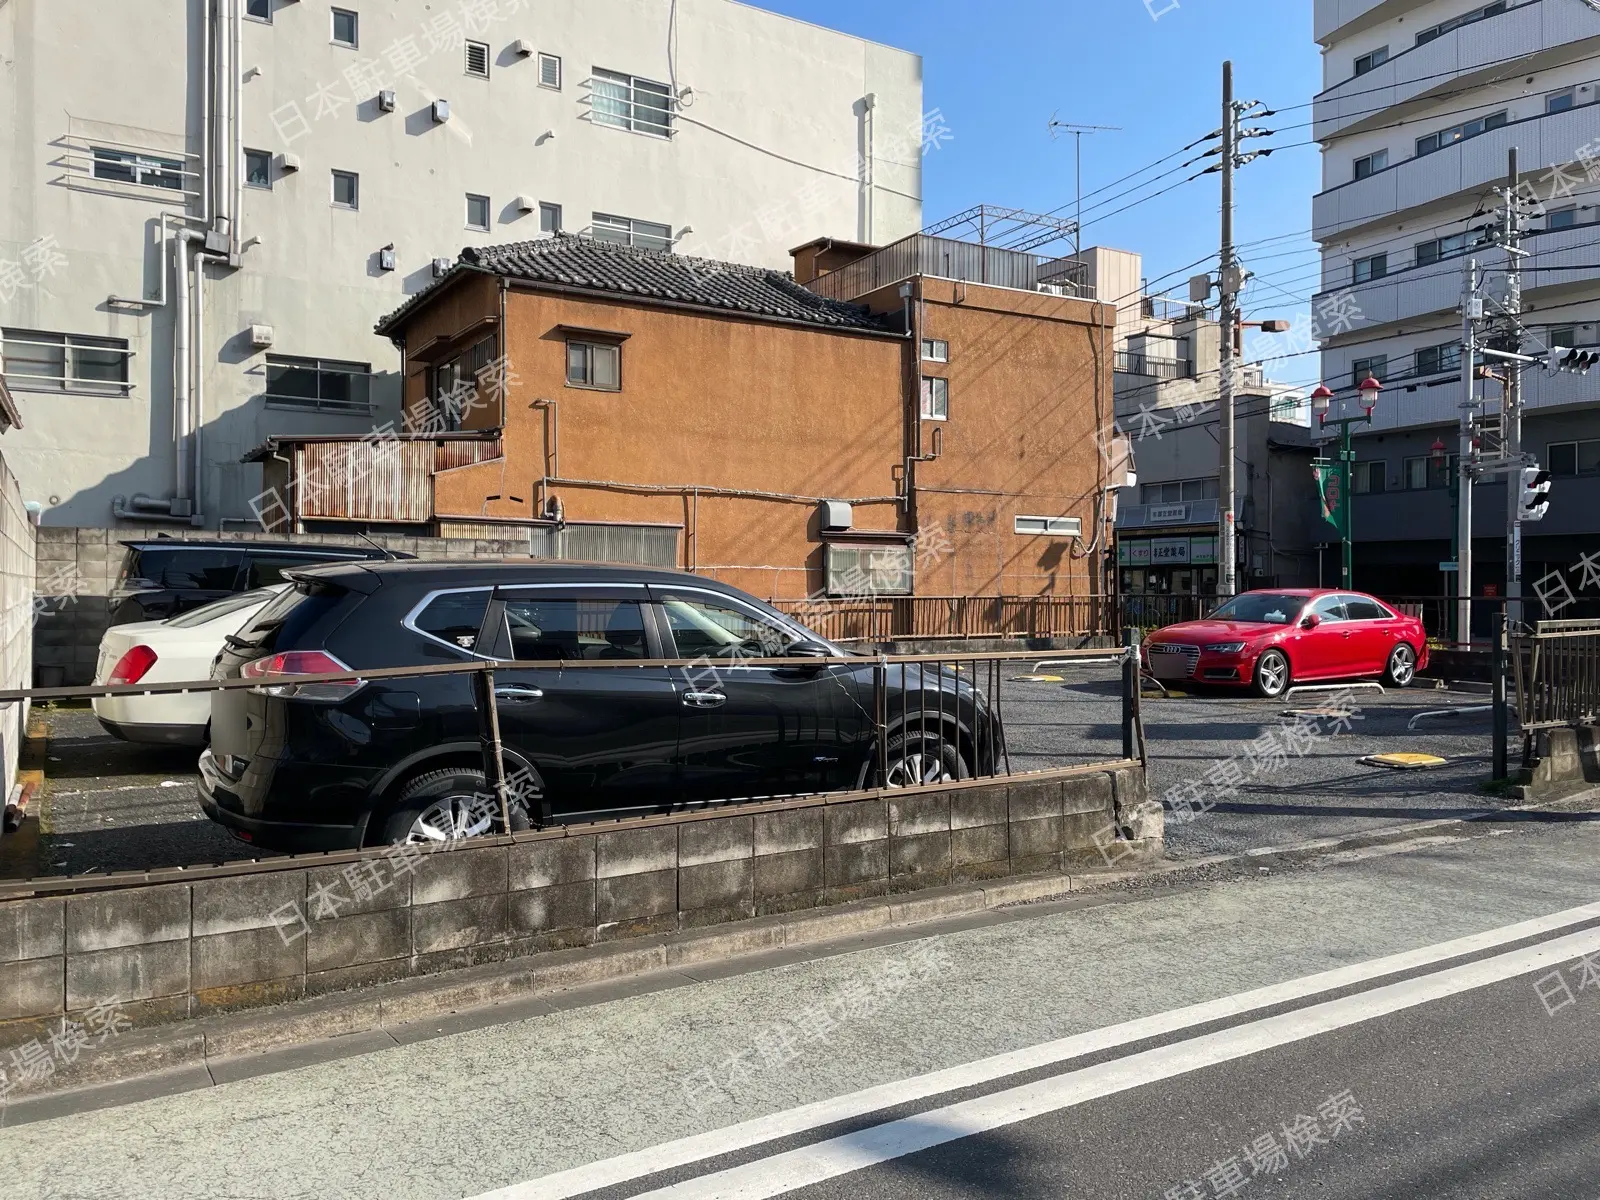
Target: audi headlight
1225, 647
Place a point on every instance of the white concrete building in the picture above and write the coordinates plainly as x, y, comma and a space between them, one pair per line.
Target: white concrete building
208, 203
1422, 99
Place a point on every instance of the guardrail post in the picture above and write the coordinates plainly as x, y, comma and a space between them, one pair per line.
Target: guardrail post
880, 715
1130, 691
1497, 673
494, 763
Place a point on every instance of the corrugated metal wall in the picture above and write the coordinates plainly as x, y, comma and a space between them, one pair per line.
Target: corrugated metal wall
371, 480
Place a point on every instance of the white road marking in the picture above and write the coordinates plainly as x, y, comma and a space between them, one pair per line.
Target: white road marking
698, 1147
814, 1164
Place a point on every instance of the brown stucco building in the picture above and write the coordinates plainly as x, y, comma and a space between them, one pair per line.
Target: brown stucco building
891, 422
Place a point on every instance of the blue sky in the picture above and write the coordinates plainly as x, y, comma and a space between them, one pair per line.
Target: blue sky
999, 69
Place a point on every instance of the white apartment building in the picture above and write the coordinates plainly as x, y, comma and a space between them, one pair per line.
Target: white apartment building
208, 204
1421, 102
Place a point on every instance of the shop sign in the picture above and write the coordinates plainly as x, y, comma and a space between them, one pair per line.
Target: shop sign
1133, 554
1203, 550
1164, 551
1167, 514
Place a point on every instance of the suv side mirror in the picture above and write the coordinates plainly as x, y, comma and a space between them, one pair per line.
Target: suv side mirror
808, 649
1310, 621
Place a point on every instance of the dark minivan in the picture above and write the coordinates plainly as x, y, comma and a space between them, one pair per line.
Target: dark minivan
339, 765
163, 577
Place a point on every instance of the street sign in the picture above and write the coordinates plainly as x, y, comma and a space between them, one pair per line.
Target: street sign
1449, 566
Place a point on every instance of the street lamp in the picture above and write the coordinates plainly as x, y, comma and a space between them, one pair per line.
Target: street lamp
1335, 480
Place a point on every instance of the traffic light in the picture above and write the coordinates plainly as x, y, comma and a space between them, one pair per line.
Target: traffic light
1566, 358
1535, 493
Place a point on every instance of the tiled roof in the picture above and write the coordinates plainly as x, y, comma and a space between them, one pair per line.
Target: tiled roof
568, 261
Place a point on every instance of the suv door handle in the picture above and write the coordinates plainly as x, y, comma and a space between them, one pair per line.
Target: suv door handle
518, 693
704, 699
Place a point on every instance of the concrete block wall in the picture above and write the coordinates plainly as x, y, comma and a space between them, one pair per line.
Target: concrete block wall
76, 572
303, 927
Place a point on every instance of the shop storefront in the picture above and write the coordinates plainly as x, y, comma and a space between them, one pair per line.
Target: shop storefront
1167, 549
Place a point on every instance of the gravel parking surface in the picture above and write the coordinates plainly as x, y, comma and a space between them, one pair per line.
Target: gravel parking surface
113, 806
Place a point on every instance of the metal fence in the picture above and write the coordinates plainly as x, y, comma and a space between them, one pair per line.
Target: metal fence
1556, 666
906, 618
945, 258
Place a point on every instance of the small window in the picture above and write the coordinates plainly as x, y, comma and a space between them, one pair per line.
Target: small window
454, 617
1370, 164
33, 360
1561, 218
258, 10
1415, 473
1561, 335
1460, 133
1436, 360
594, 365
1377, 366
1560, 101
478, 59
1374, 266
148, 170
935, 350
346, 189
935, 398
1057, 526
549, 218
346, 28
1367, 477
477, 212
1375, 58
626, 102
550, 71
325, 385
258, 169
1561, 458
626, 231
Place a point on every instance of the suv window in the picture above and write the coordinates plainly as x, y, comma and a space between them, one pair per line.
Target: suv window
551, 627
454, 617
1330, 608
703, 628
288, 617
181, 568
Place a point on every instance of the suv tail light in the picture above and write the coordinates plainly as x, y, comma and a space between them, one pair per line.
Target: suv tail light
133, 665
302, 662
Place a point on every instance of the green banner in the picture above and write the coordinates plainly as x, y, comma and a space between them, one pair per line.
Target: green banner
1330, 487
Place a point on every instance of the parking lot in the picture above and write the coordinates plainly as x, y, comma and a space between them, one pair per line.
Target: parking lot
112, 806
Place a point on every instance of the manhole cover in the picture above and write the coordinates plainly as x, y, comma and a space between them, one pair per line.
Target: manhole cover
1403, 761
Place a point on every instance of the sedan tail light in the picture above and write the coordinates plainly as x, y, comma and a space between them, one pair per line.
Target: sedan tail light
302, 662
133, 666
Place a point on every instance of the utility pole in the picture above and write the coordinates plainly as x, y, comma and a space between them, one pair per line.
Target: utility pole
1511, 405
1228, 283
1471, 311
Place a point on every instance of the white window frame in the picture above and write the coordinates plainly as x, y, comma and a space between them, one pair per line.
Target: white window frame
1373, 58
1047, 526
333, 194
70, 345
548, 209
250, 16
934, 398
467, 47
266, 155
935, 350
550, 60
488, 212
143, 167
1463, 132
1377, 161
333, 27
1361, 368
622, 111
1377, 266
638, 232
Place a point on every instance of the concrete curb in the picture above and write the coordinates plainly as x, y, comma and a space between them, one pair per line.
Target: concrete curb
184, 1051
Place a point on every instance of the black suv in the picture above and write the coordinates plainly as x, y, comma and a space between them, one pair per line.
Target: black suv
337, 765
166, 576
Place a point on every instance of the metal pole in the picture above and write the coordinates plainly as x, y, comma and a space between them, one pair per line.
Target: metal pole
494, 763
1511, 406
1345, 522
1469, 348
1130, 689
1227, 577
1498, 675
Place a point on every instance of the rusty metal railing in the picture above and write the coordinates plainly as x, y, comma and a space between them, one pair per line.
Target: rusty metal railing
1556, 666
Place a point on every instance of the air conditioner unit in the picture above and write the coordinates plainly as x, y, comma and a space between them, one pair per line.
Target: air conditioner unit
288, 162
441, 111
261, 336
386, 101
441, 267
523, 47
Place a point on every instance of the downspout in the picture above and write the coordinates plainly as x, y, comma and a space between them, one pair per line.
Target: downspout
870, 170
182, 365
222, 218
208, 156
235, 155
197, 391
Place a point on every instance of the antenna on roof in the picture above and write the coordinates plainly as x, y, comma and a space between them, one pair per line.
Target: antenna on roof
388, 554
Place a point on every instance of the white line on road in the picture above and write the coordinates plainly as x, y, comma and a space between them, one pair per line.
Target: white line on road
813, 1164
701, 1146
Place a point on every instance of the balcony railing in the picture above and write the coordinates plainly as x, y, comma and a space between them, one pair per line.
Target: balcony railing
1470, 166
1134, 362
945, 258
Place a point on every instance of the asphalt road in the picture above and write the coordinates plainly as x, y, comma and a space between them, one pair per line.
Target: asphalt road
111, 806
1386, 1019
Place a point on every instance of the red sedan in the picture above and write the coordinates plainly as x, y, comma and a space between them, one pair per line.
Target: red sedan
1267, 639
